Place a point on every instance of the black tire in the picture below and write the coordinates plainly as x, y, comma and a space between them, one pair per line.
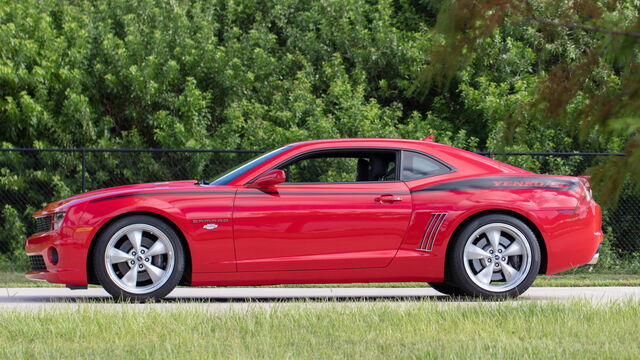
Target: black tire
447, 289
460, 274
170, 278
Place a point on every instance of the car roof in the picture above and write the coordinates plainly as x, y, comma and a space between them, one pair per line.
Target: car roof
367, 141
451, 155
382, 142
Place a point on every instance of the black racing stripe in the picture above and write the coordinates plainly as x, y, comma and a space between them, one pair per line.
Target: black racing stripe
505, 182
256, 192
259, 192
163, 193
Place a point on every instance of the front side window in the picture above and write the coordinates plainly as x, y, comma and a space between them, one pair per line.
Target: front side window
417, 166
340, 166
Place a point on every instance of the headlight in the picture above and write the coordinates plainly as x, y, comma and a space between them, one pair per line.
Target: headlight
57, 220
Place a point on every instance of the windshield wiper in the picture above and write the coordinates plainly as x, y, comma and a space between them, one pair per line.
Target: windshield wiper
202, 182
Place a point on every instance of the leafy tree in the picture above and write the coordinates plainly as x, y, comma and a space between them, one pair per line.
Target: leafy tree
587, 62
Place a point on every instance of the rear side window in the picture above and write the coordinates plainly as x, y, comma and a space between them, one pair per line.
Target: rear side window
417, 166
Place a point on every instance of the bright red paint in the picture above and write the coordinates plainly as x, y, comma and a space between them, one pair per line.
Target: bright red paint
269, 179
327, 233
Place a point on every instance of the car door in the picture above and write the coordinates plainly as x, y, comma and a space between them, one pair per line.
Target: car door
339, 209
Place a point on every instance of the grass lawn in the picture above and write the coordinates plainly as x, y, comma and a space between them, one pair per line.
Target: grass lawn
363, 331
16, 279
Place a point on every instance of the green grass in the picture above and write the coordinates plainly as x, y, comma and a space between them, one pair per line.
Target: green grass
15, 279
429, 329
586, 279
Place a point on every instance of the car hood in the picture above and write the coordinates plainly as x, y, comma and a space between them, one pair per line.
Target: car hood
60, 205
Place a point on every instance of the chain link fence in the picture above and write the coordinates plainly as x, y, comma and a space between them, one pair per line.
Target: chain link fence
30, 178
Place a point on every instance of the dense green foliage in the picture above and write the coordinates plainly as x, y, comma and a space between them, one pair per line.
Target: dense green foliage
255, 74
221, 74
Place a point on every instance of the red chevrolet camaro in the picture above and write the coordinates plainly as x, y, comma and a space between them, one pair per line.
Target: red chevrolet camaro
326, 211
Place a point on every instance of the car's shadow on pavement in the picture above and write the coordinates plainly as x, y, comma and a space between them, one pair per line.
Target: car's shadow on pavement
222, 300
292, 299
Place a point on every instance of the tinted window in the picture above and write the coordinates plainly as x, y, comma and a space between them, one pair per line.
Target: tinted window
417, 166
342, 166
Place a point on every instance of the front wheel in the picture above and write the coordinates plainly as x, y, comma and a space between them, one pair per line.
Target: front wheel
495, 256
139, 258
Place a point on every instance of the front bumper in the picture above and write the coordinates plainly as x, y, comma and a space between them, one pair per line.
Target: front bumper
70, 267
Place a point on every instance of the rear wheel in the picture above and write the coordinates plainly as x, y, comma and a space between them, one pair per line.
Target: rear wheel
139, 258
495, 256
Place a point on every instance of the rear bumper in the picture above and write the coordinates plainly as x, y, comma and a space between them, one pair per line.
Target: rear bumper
596, 256
573, 239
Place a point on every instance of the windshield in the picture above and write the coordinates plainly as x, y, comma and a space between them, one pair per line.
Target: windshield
234, 173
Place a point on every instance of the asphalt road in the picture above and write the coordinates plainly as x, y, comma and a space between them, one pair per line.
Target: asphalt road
220, 299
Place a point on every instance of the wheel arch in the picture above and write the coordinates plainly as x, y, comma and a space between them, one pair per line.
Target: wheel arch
186, 277
515, 214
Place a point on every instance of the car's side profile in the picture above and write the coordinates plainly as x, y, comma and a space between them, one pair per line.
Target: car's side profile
326, 211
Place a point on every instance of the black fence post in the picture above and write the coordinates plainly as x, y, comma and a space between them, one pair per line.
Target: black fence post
84, 169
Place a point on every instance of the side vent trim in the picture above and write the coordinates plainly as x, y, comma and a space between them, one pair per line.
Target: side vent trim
431, 232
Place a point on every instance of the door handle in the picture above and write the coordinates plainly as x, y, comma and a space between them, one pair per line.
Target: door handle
388, 199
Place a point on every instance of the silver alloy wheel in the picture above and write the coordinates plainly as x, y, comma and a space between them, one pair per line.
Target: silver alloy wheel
497, 257
139, 258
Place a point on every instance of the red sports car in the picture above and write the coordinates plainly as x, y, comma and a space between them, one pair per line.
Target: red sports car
326, 211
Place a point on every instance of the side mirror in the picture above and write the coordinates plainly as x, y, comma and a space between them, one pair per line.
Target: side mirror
269, 179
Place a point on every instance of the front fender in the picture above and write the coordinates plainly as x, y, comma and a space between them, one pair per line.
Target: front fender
211, 250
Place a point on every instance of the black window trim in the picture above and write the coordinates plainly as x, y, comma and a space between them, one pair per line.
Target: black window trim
398, 151
446, 168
